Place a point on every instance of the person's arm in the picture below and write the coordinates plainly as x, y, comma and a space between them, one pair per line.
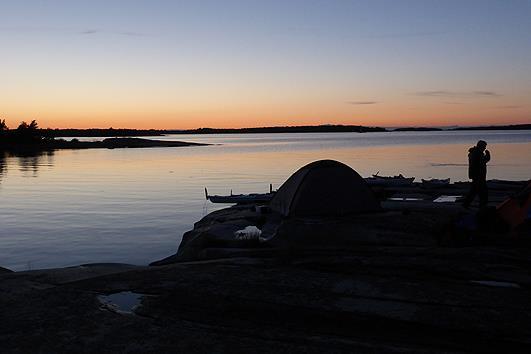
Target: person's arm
487, 156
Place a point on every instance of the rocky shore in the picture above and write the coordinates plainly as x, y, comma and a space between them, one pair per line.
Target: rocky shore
378, 282
109, 143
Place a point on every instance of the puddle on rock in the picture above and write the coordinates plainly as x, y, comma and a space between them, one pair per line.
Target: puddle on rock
447, 199
124, 302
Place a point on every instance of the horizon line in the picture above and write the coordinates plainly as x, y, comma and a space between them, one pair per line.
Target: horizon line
300, 126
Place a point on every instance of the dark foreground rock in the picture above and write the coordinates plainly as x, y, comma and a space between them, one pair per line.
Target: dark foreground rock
215, 235
374, 300
398, 224
5, 270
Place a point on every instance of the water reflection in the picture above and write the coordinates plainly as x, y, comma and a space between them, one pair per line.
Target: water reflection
28, 162
3, 165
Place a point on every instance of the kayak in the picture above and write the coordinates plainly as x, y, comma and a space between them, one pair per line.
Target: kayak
399, 180
241, 198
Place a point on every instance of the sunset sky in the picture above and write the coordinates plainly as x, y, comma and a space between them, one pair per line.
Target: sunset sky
189, 64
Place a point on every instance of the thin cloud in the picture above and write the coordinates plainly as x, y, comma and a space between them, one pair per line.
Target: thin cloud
121, 33
361, 102
457, 94
89, 31
508, 107
67, 30
486, 93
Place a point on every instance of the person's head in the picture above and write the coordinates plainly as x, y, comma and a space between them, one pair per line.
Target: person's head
482, 145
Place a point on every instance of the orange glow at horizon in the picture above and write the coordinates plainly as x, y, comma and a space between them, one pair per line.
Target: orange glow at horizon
391, 116
174, 107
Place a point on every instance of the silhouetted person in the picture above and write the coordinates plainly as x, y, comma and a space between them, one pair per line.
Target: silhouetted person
478, 157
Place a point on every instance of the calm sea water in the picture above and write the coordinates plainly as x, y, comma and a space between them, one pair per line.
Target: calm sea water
133, 205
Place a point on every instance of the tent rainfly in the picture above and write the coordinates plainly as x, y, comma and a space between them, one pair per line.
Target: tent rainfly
517, 208
324, 188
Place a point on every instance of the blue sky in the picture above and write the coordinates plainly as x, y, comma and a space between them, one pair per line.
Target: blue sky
248, 63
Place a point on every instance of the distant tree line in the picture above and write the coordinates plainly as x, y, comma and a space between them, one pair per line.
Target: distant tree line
157, 132
97, 132
328, 128
26, 133
285, 129
498, 127
417, 129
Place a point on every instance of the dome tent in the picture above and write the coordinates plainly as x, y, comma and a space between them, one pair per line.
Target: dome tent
324, 188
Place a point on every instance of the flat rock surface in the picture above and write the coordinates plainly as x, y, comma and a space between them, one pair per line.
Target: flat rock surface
374, 300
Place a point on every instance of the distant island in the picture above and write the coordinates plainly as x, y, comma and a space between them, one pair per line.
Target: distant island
53, 133
328, 128
490, 127
28, 137
497, 127
417, 129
